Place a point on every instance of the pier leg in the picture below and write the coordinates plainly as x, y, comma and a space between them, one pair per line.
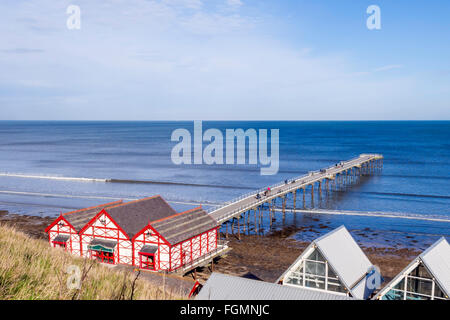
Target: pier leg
320, 189
295, 198
312, 195
284, 204
259, 219
239, 228
248, 222
226, 225
304, 198
270, 214
273, 207
256, 224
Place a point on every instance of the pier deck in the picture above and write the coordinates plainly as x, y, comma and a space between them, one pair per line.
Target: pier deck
362, 165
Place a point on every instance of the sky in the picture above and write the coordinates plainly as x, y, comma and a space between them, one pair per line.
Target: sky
224, 60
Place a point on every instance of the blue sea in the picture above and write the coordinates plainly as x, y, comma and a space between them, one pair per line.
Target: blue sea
52, 167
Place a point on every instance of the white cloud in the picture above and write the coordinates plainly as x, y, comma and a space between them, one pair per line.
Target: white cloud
177, 59
389, 67
234, 3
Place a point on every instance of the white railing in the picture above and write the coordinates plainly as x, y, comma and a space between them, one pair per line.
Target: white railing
299, 178
221, 246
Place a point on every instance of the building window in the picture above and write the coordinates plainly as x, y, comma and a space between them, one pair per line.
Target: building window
147, 262
102, 256
417, 285
59, 244
315, 272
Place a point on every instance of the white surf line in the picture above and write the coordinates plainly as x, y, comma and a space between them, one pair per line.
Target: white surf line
366, 214
92, 197
14, 175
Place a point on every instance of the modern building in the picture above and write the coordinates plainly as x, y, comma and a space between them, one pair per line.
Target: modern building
146, 233
333, 263
426, 278
225, 287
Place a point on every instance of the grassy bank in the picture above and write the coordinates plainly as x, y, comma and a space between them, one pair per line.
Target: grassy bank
31, 269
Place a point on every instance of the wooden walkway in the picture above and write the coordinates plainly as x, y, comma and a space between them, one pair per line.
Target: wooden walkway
340, 173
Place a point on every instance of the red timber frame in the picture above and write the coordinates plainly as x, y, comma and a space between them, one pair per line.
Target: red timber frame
62, 227
168, 257
149, 236
191, 249
178, 254
147, 261
105, 257
102, 226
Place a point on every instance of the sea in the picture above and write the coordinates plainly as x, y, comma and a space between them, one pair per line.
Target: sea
51, 167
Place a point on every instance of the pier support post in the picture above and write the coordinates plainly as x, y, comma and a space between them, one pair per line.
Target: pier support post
270, 214
254, 226
304, 197
259, 219
320, 189
295, 198
226, 226
273, 207
239, 228
312, 195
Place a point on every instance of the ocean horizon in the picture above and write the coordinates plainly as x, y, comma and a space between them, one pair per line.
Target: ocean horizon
49, 167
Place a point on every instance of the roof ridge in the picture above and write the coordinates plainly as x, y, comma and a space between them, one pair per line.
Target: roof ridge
135, 201
326, 235
430, 248
176, 214
93, 207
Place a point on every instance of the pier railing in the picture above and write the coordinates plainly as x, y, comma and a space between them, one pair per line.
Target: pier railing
272, 194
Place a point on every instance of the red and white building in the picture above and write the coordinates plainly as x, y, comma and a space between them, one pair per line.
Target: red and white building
146, 233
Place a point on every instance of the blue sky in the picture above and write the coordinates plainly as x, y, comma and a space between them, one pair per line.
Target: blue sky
224, 60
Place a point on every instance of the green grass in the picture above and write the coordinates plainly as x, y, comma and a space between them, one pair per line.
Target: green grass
31, 269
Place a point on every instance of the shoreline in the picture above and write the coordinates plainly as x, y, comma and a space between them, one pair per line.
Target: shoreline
263, 257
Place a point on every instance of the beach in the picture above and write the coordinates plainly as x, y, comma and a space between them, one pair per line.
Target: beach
259, 257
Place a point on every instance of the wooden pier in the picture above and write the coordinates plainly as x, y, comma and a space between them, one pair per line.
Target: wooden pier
328, 179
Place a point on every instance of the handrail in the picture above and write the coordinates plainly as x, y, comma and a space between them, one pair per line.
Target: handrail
310, 174
221, 245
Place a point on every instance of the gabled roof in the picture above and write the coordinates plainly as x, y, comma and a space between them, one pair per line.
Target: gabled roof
184, 225
225, 287
79, 218
345, 257
61, 238
135, 215
436, 260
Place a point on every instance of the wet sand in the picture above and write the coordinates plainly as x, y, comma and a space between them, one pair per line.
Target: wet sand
259, 257
34, 226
